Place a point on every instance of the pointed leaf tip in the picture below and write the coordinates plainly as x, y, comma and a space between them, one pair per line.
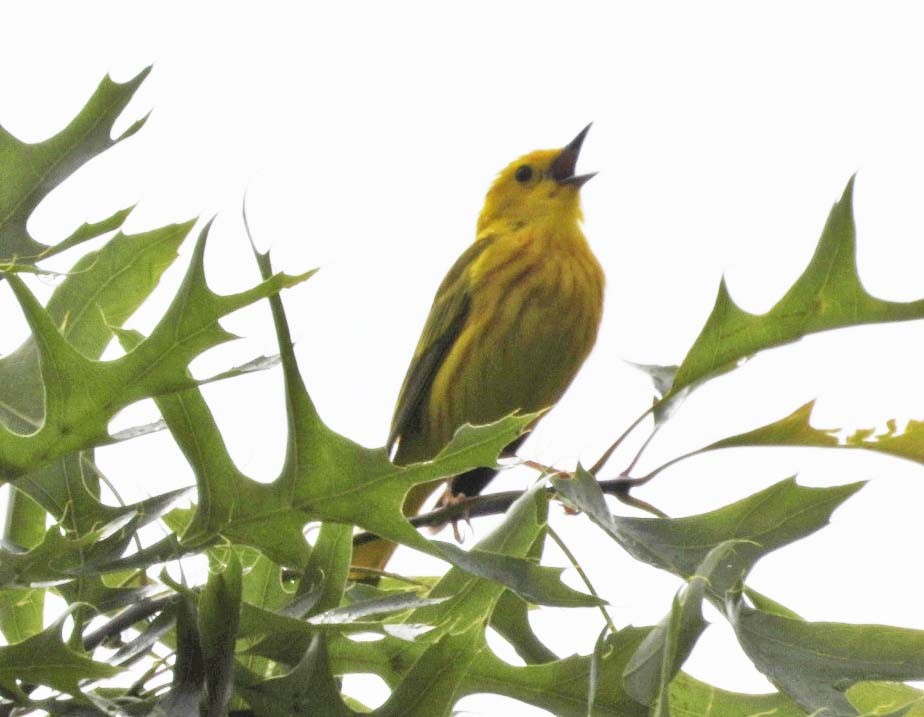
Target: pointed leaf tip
827, 295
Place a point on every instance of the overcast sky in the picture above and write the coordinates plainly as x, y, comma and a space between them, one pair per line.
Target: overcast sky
365, 136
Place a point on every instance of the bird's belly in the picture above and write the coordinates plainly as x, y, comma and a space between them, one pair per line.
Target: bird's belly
519, 351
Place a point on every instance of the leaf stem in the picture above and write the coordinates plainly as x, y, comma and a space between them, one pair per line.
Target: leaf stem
645, 478
641, 450
601, 461
580, 571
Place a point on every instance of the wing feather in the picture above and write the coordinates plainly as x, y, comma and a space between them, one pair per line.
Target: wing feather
448, 316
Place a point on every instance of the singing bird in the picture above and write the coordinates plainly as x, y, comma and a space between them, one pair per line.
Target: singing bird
510, 325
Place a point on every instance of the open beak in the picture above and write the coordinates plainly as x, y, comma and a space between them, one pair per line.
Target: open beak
562, 169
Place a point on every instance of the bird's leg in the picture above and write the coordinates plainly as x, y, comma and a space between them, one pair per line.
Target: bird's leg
449, 499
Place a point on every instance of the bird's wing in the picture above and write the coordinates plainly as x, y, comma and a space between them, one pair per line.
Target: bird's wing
447, 317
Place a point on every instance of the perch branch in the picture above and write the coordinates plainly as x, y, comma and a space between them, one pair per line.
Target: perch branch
498, 503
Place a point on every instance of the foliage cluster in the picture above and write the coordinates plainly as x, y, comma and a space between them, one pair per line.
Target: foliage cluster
272, 630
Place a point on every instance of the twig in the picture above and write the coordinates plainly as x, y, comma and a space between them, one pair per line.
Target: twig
498, 503
475, 507
542, 468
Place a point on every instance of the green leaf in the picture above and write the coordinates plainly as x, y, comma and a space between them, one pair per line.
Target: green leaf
389, 603
500, 557
261, 587
510, 620
309, 688
93, 591
765, 521
25, 520
32, 171
262, 584
68, 488
559, 687
815, 662
430, 688
54, 559
289, 633
165, 549
63, 555
188, 688
21, 613
534, 583
219, 613
82, 395
328, 567
460, 601
793, 430
796, 430
465, 604
828, 295
44, 659
692, 698
658, 659
103, 289
349, 479
510, 617
881, 698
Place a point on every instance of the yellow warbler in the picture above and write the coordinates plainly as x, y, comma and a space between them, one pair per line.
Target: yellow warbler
510, 325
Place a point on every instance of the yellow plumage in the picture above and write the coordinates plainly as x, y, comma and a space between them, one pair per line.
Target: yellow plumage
510, 325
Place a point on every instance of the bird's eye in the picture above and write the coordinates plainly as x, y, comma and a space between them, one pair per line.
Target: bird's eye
524, 174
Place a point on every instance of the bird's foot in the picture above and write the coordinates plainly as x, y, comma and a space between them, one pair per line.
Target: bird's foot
449, 499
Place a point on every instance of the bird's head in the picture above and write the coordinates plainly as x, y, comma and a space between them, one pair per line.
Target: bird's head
538, 186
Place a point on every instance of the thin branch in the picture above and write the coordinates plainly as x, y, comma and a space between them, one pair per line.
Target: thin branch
498, 503
542, 468
618, 487
475, 507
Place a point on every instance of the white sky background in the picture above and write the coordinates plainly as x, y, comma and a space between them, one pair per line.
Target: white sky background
365, 136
